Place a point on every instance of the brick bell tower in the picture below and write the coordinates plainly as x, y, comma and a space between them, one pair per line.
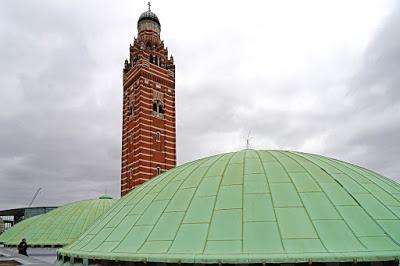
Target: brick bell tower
148, 126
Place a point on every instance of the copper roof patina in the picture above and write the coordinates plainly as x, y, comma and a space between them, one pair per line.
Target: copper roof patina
251, 207
17, 231
60, 226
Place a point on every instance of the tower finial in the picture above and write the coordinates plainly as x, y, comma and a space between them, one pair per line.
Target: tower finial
148, 3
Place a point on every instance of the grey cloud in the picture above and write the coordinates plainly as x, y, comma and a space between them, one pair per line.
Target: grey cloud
60, 100
361, 128
375, 96
57, 137
377, 82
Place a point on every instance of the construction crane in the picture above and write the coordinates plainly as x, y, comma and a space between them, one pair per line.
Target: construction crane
34, 196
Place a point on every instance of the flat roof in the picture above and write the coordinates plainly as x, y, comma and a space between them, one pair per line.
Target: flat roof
21, 211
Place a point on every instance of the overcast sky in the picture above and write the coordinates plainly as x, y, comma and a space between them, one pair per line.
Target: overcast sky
313, 76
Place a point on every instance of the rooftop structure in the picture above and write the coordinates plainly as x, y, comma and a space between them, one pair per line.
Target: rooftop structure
2, 226
11, 217
60, 226
250, 207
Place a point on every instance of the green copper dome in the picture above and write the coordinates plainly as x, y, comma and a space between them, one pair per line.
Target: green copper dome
58, 227
17, 231
251, 207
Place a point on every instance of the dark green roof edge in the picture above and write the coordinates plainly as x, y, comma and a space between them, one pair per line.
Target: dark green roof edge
239, 259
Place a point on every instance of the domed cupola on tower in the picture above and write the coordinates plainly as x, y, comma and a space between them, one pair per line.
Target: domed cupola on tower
149, 21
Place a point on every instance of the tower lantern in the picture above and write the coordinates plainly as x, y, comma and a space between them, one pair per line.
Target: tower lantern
148, 131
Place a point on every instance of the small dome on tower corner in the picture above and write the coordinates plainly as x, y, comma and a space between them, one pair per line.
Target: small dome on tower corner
149, 15
105, 196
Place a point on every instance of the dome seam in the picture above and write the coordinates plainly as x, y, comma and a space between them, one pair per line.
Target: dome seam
367, 212
166, 175
301, 200
272, 200
216, 196
334, 205
166, 206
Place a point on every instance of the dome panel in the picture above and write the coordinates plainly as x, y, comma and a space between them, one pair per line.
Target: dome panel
251, 207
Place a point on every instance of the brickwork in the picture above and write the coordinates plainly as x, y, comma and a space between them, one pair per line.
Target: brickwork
148, 126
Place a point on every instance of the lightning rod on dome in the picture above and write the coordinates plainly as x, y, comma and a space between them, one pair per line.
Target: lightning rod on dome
248, 140
148, 3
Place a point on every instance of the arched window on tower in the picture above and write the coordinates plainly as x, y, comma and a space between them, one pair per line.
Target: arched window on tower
148, 45
130, 111
158, 109
151, 58
158, 136
158, 170
156, 60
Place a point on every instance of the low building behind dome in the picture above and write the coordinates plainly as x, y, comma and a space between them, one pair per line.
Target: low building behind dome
60, 226
250, 207
2, 226
11, 217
